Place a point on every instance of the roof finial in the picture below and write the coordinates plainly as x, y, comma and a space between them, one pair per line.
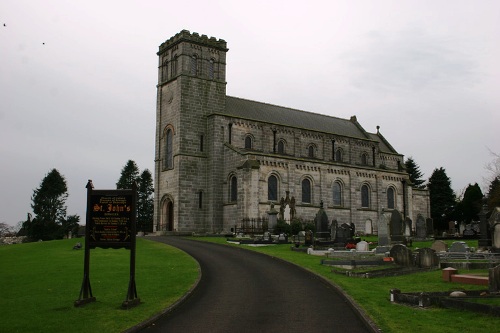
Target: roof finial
378, 127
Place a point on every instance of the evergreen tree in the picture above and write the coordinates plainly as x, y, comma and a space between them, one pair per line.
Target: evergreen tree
48, 204
442, 198
129, 175
470, 206
415, 174
70, 223
145, 202
494, 193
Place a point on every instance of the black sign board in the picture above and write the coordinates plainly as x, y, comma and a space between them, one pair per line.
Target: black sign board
112, 220
111, 223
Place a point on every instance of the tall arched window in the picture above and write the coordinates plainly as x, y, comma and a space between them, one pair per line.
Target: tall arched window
211, 70
169, 156
233, 191
310, 151
364, 159
272, 188
390, 198
365, 196
306, 190
337, 194
281, 147
338, 155
194, 65
248, 142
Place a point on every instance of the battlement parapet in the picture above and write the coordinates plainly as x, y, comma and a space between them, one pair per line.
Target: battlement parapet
186, 36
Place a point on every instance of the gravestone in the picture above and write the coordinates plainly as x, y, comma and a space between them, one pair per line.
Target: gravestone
460, 247
494, 223
333, 230
468, 231
408, 227
451, 227
383, 230
343, 233
321, 220
308, 241
439, 246
368, 227
430, 227
396, 226
301, 237
427, 258
421, 228
362, 246
273, 217
402, 255
494, 279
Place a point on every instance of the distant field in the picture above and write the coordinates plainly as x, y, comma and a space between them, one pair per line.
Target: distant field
40, 281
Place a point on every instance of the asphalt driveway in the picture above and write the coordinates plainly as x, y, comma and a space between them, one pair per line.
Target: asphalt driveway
244, 291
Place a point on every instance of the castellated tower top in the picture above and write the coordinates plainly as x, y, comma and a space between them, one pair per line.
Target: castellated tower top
186, 36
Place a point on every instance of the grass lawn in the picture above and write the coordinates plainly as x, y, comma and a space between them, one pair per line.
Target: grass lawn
40, 281
373, 295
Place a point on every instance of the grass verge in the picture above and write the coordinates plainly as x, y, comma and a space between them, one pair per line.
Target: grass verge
40, 281
373, 296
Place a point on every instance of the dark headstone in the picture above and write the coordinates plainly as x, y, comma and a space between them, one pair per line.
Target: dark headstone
308, 238
402, 255
344, 233
430, 227
421, 228
396, 226
461, 247
321, 220
469, 232
494, 279
333, 230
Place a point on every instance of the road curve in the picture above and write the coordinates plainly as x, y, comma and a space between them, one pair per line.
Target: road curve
245, 291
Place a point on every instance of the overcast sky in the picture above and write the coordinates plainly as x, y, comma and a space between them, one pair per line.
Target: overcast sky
78, 80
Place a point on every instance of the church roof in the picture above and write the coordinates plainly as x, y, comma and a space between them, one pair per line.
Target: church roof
279, 115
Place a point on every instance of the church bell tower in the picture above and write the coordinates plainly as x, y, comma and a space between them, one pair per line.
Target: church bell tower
191, 87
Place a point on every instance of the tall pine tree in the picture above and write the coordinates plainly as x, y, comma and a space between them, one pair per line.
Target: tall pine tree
494, 193
145, 192
415, 174
469, 207
129, 175
49, 206
442, 198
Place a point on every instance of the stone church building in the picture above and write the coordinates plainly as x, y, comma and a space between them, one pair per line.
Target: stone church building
220, 159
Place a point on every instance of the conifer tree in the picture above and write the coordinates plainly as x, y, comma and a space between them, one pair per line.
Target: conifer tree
49, 206
129, 175
469, 207
145, 201
494, 193
415, 174
442, 198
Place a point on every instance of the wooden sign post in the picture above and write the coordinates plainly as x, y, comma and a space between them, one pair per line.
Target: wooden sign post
110, 223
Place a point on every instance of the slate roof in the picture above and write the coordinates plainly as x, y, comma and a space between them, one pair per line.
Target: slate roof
279, 115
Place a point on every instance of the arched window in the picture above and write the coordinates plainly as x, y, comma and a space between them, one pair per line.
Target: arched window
390, 198
310, 151
365, 196
211, 65
364, 159
272, 188
169, 160
337, 194
338, 155
248, 142
194, 65
173, 67
281, 147
233, 191
306, 190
